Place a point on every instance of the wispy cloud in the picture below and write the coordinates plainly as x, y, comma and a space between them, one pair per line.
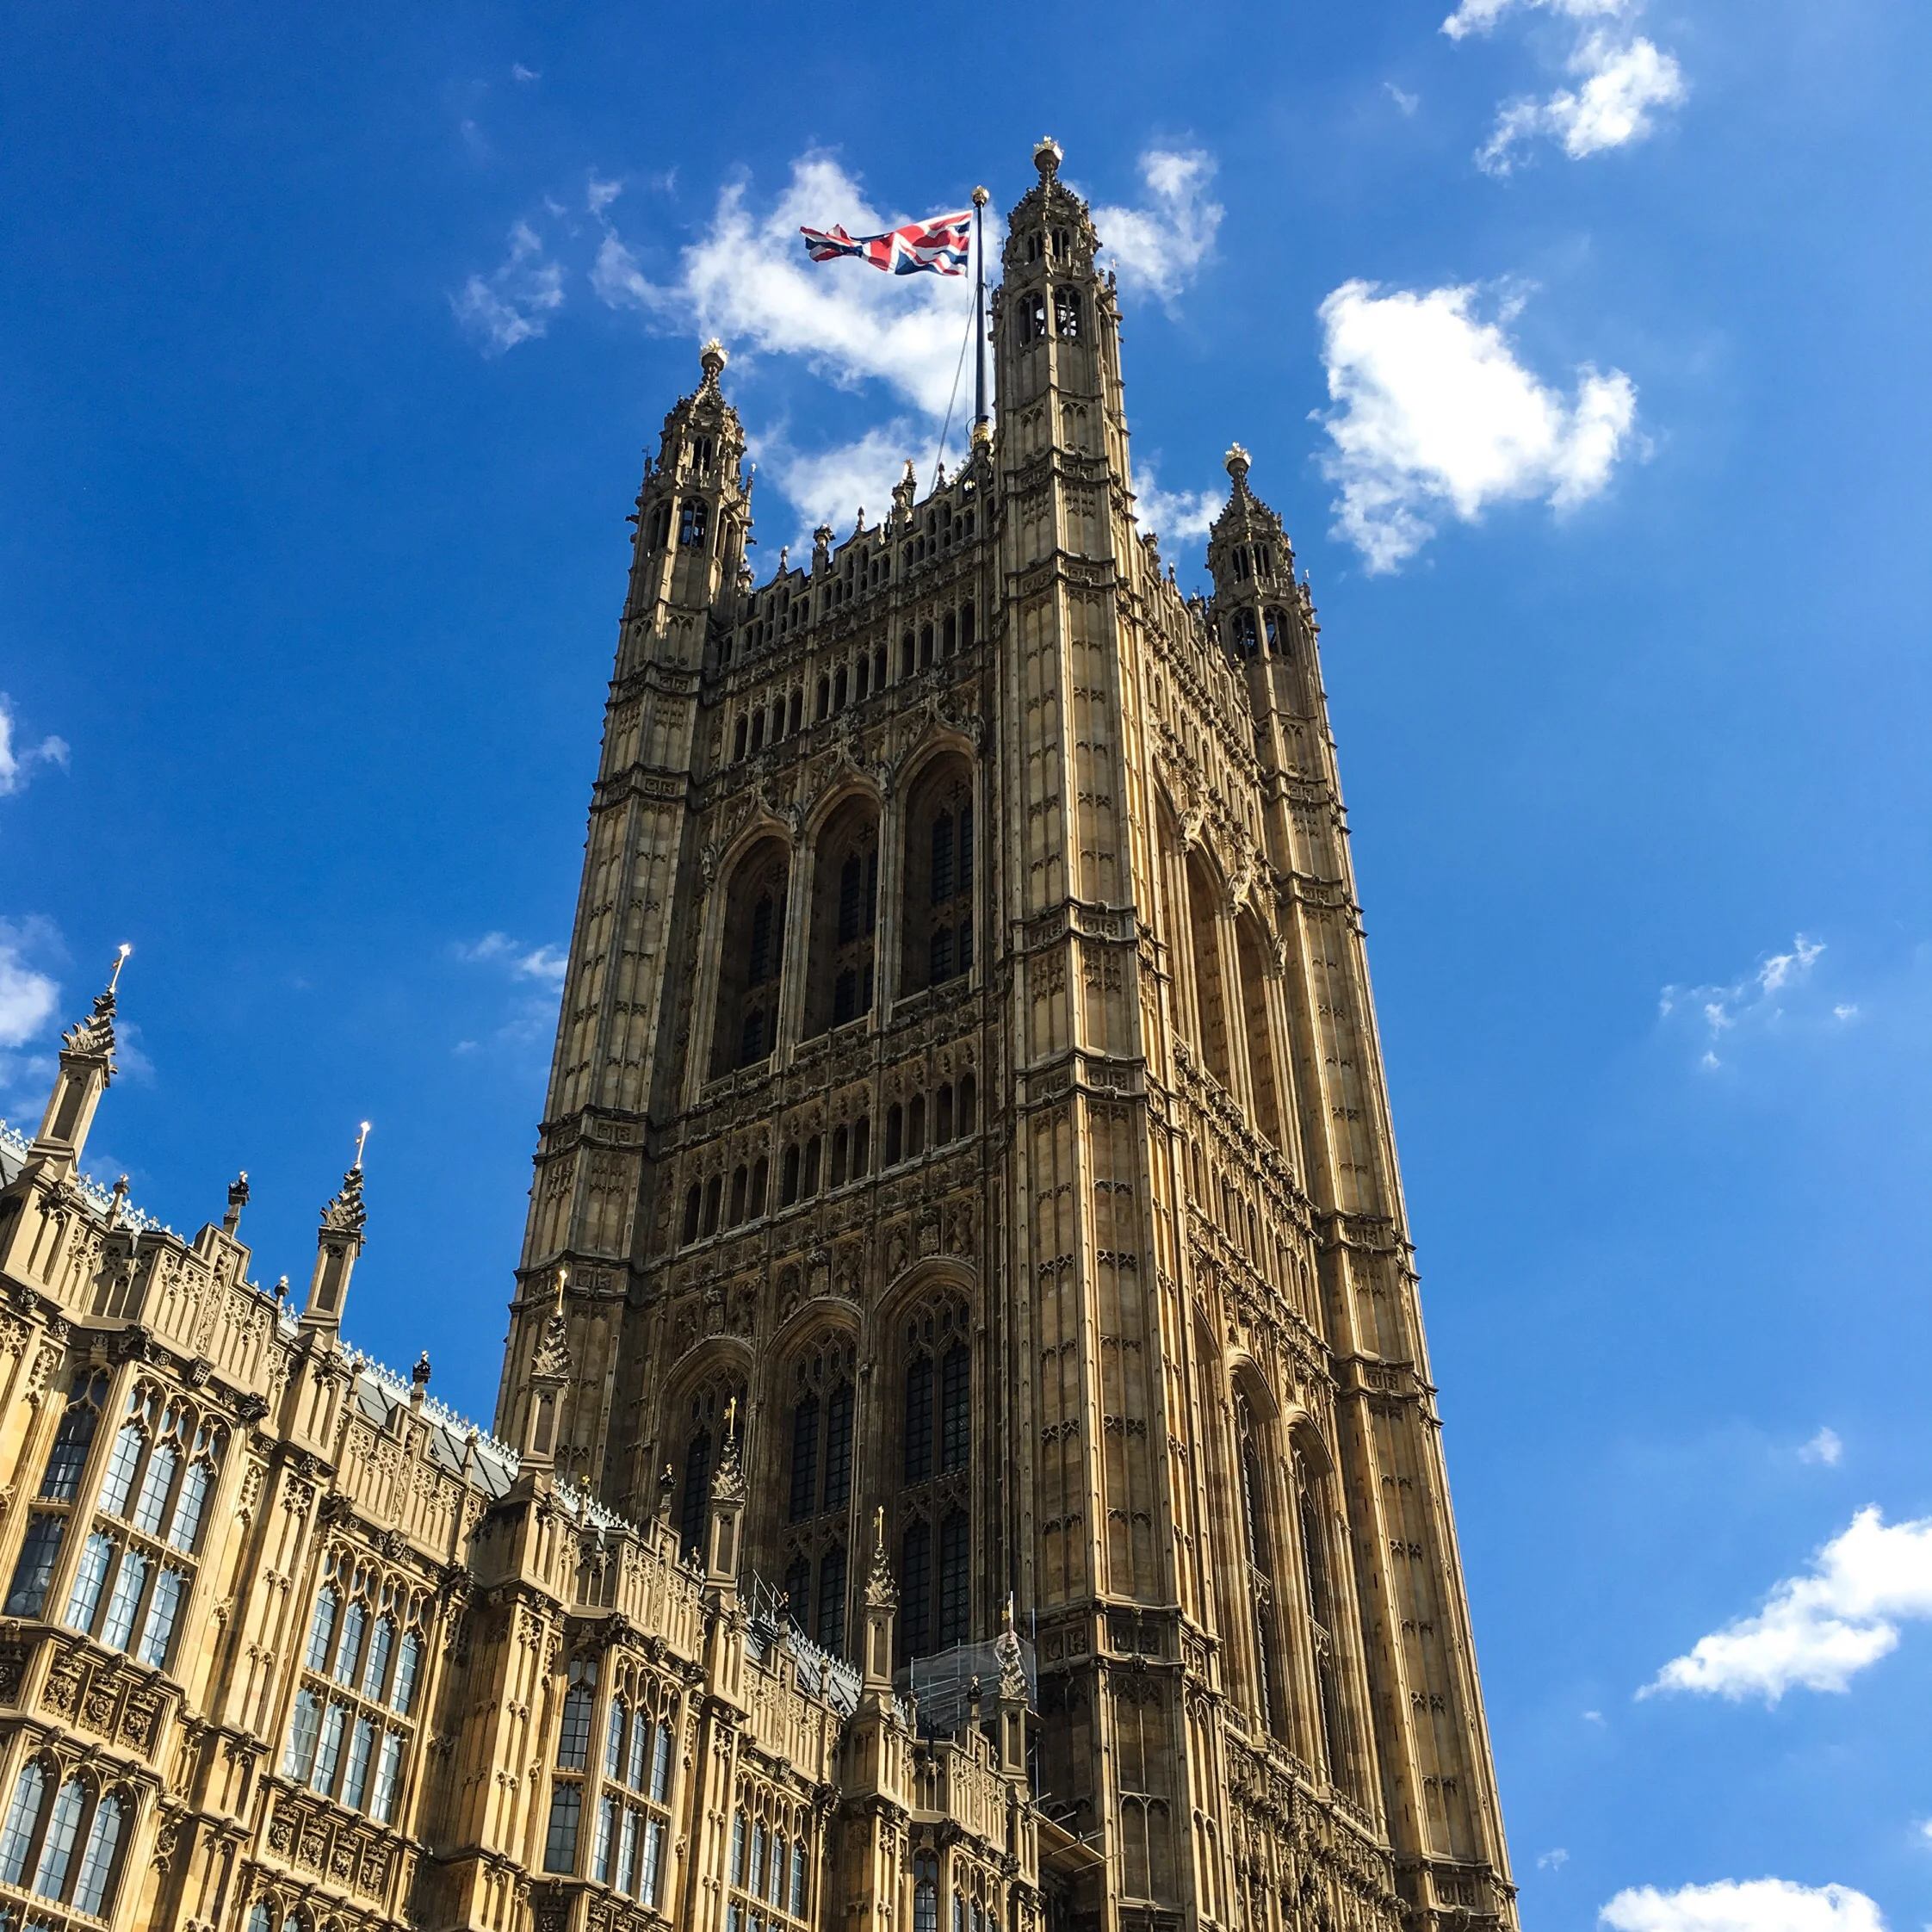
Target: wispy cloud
1434, 415
1622, 78
1757, 998
1824, 1447
832, 485
19, 762
1743, 1905
1180, 515
1622, 82
1819, 1630
1552, 1860
1406, 102
30, 1002
543, 963
1160, 247
513, 304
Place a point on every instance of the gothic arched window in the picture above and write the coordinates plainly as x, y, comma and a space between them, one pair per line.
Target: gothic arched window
845, 917
938, 903
691, 522
1264, 1596
1311, 1510
1251, 950
1066, 314
750, 963
698, 1428
1211, 1020
819, 1487
935, 1502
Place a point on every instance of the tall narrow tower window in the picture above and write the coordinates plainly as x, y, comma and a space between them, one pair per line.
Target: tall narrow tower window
691, 522
813, 1540
1258, 1540
935, 1503
745, 1028
1066, 314
938, 899
845, 914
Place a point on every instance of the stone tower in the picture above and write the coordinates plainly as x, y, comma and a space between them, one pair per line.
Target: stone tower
967, 1128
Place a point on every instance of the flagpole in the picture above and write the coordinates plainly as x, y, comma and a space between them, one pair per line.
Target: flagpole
980, 198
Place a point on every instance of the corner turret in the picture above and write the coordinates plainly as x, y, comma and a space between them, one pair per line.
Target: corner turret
87, 1065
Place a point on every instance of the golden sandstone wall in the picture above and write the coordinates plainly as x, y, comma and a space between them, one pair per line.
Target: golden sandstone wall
965, 1187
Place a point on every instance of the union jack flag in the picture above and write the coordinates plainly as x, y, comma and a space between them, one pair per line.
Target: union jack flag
940, 244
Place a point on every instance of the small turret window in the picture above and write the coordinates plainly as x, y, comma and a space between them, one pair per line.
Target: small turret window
1066, 313
691, 522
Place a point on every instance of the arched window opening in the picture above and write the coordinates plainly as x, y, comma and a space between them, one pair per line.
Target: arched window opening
699, 1424
714, 1194
925, 645
915, 1127
942, 1125
906, 655
23, 1821
67, 1459
1276, 628
757, 731
841, 1152
1311, 1513
750, 963
966, 609
822, 707
862, 1147
820, 1383
895, 1135
794, 717
1210, 1025
879, 668
862, 678
949, 634
1032, 315
968, 1104
938, 894
812, 1148
694, 1198
788, 1182
845, 917
839, 689
935, 1500
573, 1736
1270, 1686
761, 1173
1241, 633
1066, 314
691, 516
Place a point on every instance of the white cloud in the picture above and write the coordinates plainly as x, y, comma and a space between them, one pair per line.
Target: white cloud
1180, 515
748, 280
1823, 1447
1743, 1905
1479, 16
518, 71
1552, 1860
28, 996
832, 485
543, 963
1161, 247
1816, 1632
514, 304
1435, 414
1406, 102
17, 763
1622, 83
1758, 999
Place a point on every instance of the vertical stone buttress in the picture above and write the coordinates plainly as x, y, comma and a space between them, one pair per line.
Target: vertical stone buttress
1093, 1527
1437, 1791
693, 516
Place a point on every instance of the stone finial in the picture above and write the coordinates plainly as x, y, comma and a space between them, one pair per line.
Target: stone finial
1005, 1648
1048, 154
238, 1200
346, 1213
728, 1484
1238, 462
420, 1376
667, 1484
881, 1592
712, 359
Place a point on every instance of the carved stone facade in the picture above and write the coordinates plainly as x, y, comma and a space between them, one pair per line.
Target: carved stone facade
967, 1454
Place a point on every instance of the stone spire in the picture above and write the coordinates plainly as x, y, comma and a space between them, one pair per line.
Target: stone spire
338, 1242
87, 1065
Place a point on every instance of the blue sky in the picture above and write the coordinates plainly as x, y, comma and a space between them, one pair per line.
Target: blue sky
1582, 349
